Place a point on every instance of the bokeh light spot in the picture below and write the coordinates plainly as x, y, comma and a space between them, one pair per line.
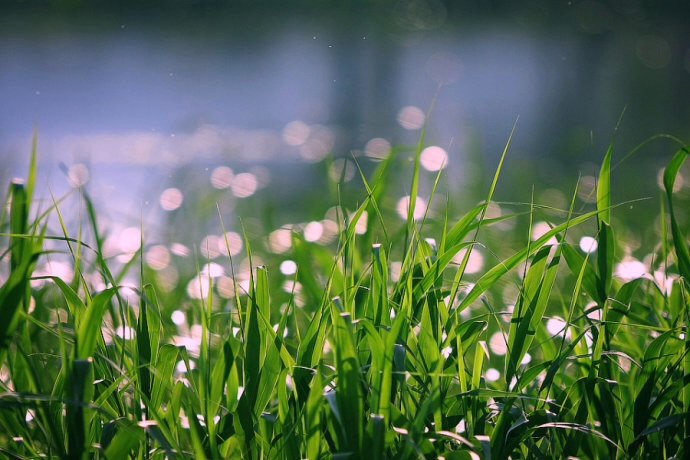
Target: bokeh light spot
588, 244
492, 375
313, 231
498, 344
244, 185
411, 117
377, 149
158, 257
433, 158
296, 133
210, 246
403, 207
557, 327
221, 177
475, 263
232, 242
288, 267
171, 199
178, 318
630, 269
280, 240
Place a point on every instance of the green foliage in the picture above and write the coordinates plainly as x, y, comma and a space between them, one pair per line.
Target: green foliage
358, 360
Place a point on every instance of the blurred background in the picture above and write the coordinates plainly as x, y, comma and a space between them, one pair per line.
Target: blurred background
165, 110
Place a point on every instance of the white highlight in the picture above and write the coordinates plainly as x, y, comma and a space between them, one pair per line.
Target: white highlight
492, 374
288, 267
434, 158
588, 244
178, 318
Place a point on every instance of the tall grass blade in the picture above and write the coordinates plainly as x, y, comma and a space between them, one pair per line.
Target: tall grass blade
679, 240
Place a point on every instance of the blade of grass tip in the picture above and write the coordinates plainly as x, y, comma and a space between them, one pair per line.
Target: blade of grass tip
101, 263
575, 261
116, 313
535, 295
465, 260
381, 185
605, 260
232, 271
373, 201
89, 326
347, 251
248, 248
33, 169
644, 143
606, 242
444, 232
272, 363
68, 240
77, 257
414, 187
604, 182
348, 241
263, 301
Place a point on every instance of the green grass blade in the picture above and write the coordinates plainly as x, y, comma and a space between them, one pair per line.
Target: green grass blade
679, 241
89, 325
348, 389
313, 418
19, 223
78, 395
604, 188
491, 276
127, 437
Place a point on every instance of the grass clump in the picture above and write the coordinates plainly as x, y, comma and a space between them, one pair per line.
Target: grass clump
360, 360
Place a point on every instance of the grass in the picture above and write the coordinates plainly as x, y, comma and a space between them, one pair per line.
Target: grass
363, 357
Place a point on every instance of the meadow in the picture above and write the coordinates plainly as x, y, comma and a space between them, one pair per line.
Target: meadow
440, 335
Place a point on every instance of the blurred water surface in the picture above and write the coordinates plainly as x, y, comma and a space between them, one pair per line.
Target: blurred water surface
191, 104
